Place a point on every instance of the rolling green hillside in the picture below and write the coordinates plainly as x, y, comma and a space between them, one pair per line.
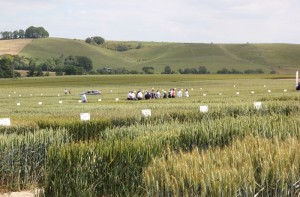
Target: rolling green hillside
283, 58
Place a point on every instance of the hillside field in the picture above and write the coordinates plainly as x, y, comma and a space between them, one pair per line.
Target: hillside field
281, 58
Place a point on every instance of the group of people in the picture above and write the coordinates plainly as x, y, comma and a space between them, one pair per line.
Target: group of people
133, 95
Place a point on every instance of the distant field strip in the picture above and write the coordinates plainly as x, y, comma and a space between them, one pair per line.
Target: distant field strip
13, 47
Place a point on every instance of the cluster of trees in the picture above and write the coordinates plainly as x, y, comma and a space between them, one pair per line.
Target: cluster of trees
70, 65
234, 71
30, 32
104, 71
7, 68
200, 70
95, 40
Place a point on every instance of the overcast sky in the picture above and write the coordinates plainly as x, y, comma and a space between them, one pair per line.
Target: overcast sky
201, 21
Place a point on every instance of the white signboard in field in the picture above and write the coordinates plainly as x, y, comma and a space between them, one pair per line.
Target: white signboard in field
257, 105
40, 103
203, 108
60, 102
146, 112
4, 121
85, 116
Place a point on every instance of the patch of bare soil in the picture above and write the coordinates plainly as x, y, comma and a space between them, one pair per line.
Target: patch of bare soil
35, 193
13, 47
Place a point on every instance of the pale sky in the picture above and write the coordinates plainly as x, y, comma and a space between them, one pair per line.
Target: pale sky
198, 21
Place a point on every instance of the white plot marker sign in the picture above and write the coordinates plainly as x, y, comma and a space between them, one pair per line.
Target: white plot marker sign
146, 112
4, 121
203, 108
257, 105
60, 102
85, 116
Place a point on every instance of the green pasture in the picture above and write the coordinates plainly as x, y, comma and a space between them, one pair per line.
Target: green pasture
282, 58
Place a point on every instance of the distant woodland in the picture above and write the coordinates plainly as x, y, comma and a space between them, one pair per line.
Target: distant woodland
30, 32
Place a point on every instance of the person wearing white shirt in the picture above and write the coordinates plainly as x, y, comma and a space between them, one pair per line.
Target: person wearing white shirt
187, 93
83, 98
179, 93
139, 95
157, 95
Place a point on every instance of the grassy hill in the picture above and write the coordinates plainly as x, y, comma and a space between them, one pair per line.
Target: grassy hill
283, 58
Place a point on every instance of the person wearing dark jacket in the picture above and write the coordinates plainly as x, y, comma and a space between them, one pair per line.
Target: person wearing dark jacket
147, 95
298, 86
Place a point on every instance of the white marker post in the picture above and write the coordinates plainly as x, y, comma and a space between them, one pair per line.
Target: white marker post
18, 104
257, 105
146, 113
203, 108
4, 121
85, 116
40, 103
60, 102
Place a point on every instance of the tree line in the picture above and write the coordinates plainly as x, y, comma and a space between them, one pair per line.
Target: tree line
168, 70
81, 65
30, 32
69, 65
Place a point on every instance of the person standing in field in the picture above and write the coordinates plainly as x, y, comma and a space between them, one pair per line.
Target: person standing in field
66, 91
186, 93
83, 98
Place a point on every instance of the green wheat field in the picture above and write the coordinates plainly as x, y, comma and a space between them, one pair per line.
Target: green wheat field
233, 149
